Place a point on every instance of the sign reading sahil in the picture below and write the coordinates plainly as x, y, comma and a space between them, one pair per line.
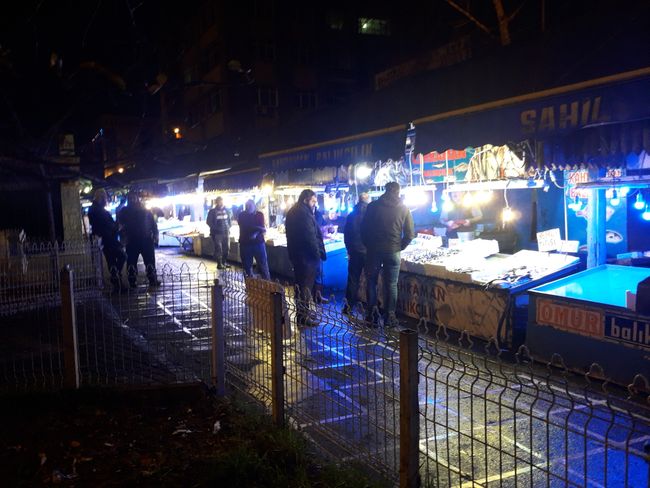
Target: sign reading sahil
559, 116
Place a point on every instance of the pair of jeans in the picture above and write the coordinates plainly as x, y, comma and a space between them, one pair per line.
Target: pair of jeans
389, 262
356, 263
305, 271
221, 247
133, 251
255, 250
115, 259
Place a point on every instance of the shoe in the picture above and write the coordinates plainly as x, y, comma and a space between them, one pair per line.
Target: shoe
391, 321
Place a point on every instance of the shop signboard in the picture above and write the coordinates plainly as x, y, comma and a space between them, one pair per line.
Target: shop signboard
457, 306
448, 166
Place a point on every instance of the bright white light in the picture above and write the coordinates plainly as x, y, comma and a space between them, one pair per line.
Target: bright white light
507, 214
447, 205
624, 190
363, 171
283, 206
639, 204
415, 198
468, 200
483, 196
267, 189
615, 200
88, 189
646, 214
576, 205
120, 170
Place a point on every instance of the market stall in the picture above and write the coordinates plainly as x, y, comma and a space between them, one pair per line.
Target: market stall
588, 318
471, 287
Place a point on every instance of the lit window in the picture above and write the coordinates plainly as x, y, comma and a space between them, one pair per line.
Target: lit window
376, 27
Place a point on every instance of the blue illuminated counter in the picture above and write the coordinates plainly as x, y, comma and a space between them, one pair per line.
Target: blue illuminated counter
583, 318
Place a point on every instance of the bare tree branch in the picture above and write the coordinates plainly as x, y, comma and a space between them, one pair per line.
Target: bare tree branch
467, 14
504, 30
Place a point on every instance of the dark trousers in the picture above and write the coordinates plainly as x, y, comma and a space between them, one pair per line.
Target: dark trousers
115, 259
255, 250
305, 271
356, 263
389, 262
133, 251
221, 247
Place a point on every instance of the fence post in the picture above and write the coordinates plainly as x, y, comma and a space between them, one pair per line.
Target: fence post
277, 366
72, 377
218, 340
409, 455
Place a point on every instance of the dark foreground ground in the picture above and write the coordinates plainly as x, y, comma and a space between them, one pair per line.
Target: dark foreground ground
164, 437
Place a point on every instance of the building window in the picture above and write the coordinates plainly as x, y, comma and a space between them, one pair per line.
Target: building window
265, 51
376, 27
306, 100
267, 101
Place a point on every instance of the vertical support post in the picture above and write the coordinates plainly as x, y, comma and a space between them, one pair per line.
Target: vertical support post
72, 378
218, 341
277, 366
409, 422
596, 243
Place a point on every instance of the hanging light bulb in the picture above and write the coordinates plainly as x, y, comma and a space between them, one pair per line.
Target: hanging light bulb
468, 200
447, 205
646, 213
507, 215
639, 203
624, 190
576, 204
615, 200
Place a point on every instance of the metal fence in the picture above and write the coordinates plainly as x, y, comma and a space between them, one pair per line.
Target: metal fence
64, 328
423, 410
411, 404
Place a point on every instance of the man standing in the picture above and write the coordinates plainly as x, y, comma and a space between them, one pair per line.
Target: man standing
104, 227
356, 251
306, 251
141, 234
219, 222
386, 230
251, 240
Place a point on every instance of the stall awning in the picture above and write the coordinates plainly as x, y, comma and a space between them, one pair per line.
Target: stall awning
382, 144
595, 121
234, 180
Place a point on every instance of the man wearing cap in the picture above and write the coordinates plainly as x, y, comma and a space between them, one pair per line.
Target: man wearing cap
105, 228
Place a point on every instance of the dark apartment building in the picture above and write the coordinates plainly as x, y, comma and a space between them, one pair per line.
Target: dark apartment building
255, 64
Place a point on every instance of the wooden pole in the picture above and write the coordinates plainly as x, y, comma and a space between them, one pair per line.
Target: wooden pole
277, 366
409, 441
72, 377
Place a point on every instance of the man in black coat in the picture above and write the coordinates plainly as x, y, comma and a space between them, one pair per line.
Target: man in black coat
141, 234
104, 227
306, 251
386, 230
356, 251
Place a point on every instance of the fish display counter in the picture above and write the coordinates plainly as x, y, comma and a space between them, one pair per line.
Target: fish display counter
475, 289
585, 319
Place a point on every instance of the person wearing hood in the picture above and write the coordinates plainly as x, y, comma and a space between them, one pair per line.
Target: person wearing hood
104, 227
386, 230
306, 251
356, 251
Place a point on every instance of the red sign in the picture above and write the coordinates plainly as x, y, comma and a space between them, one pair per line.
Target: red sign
578, 320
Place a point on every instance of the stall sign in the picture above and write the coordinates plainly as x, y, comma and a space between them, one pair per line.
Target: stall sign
578, 320
549, 240
450, 165
628, 330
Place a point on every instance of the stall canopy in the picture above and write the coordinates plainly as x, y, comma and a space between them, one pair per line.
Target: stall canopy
385, 143
600, 121
234, 179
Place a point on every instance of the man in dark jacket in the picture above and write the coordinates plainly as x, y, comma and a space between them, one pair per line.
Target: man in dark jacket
104, 227
356, 251
386, 230
306, 250
141, 234
219, 222
251, 240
